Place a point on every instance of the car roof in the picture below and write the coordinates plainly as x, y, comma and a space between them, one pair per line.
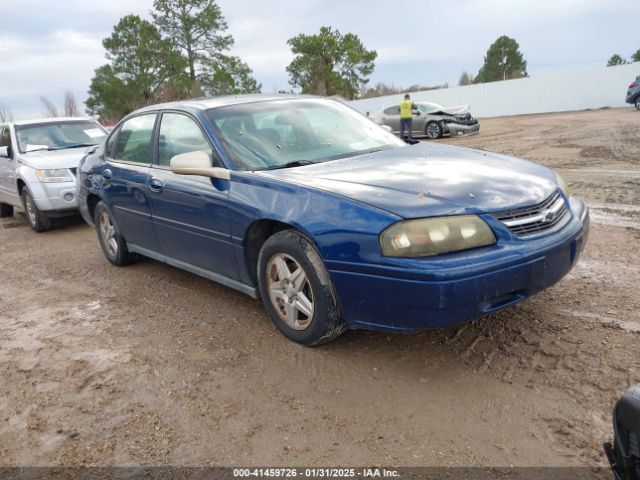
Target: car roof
206, 103
433, 104
36, 121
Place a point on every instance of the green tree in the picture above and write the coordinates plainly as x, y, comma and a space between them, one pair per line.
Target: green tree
636, 56
330, 63
197, 28
502, 61
616, 60
142, 67
229, 76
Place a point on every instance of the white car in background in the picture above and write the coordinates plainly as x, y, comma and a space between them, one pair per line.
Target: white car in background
38, 163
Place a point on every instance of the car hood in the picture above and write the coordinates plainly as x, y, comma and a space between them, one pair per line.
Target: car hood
457, 110
429, 180
69, 158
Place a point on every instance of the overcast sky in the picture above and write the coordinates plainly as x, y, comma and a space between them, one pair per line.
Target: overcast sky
48, 47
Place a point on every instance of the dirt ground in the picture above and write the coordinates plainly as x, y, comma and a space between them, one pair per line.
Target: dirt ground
149, 365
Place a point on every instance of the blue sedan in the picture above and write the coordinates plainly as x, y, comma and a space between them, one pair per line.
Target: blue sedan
328, 218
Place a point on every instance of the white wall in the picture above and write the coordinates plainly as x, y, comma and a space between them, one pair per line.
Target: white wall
573, 89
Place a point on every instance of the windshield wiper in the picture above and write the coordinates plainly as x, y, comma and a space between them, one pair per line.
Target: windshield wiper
77, 145
295, 163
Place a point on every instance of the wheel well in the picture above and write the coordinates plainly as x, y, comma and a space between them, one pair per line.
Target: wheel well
21, 185
92, 201
258, 233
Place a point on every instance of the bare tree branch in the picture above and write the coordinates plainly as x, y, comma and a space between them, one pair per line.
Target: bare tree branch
6, 115
70, 105
50, 109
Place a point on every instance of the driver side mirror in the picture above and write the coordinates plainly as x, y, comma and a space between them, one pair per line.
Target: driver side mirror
5, 152
197, 163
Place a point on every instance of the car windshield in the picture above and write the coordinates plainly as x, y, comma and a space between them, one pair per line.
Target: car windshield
293, 132
427, 107
58, 135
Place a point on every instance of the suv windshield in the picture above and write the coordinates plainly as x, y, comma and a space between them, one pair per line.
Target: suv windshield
294, 132
58, 135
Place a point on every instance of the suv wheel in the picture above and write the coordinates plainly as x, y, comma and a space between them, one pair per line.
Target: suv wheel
637, 102
37, 219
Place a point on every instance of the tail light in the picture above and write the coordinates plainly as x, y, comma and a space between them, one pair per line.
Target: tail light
634, 85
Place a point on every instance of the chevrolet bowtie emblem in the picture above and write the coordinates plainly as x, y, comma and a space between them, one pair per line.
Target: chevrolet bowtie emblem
548, 215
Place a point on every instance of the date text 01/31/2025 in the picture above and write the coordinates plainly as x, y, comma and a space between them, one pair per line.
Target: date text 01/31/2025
315, 472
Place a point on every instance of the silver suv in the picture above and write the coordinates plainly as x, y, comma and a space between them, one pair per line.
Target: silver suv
38, 162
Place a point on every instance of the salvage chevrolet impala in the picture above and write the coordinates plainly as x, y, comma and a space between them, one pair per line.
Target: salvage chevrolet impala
327, 217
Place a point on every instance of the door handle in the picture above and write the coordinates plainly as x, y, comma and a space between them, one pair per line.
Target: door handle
155, 184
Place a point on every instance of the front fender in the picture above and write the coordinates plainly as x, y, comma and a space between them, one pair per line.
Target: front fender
340, 228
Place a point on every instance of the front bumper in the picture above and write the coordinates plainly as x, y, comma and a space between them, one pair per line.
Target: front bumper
456, 129
55, 198
386, 301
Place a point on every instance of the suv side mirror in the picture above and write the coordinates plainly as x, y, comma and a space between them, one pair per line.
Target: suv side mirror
5, 152
197, 163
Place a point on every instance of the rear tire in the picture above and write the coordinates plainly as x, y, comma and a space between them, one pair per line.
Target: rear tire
433, 130
6, 210
37, 219
112, 243
296, 290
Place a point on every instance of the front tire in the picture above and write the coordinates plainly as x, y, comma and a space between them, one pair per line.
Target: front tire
637, 102
296, 290
6, 210
433, 130
37, 219
112, 243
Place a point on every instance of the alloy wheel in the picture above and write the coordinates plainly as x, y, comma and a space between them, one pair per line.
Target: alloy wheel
433, 130
108, 233
290, 291
28, 206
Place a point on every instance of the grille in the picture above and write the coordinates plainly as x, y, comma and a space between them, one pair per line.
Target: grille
466, 120
536, 219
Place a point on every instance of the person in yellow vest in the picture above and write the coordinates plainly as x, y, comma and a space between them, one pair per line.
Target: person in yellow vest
406, 117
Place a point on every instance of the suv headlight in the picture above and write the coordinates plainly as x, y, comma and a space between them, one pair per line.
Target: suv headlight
563, 185
434, 236
54, 175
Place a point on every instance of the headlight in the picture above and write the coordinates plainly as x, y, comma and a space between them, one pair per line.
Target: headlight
54, 175
434, 236
563, 185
